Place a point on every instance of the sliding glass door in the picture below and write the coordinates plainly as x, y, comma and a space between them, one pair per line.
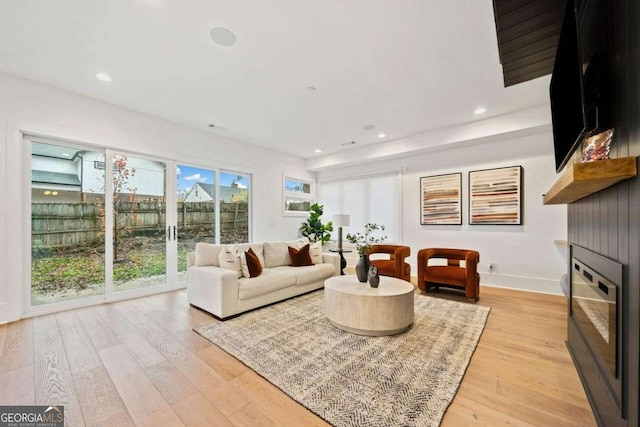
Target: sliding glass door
195, 211
140, 230
67, 225
104, 226
95, 230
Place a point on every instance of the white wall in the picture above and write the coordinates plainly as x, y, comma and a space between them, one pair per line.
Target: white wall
526, 256
42, 110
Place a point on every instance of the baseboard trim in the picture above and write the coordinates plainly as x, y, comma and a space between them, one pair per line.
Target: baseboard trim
532, 284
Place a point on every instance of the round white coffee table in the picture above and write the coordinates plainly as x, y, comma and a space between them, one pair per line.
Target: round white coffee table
360, 309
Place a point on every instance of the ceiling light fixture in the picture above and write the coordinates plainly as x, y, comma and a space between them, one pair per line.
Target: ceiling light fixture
46, 193
218, 127
103, 77
369, 127
222, 36
382, 135
318, 150
480, 110
54, 193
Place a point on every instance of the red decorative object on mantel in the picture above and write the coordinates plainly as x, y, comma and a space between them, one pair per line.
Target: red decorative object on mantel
597, 147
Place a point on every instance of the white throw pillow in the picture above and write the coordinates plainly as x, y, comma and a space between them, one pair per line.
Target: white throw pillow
207, 254
243, 265
315, 252
229, 258
257, 249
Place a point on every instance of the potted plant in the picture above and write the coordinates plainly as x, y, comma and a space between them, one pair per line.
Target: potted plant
363, 242
313, 228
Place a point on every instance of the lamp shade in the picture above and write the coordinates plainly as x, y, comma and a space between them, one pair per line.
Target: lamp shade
341, 220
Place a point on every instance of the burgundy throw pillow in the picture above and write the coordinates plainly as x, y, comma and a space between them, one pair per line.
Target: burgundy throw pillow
300, 257
253, 263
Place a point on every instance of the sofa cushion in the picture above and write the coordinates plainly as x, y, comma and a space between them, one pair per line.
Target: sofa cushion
308, 274
229, 258
446, 275
207, 254
315, 252
387, 267
300, 257
269, 281
250, 264
277, 253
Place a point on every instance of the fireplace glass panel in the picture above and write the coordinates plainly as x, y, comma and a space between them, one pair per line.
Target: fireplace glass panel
594, 306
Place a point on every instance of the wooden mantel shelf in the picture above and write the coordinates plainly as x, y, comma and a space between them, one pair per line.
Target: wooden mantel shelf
583, 179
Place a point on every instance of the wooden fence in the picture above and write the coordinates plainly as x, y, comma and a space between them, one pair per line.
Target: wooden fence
59, 225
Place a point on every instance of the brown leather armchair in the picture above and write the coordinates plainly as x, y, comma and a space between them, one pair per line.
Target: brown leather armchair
395, 265
452, 274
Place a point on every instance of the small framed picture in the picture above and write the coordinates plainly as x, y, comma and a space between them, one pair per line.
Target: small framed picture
441, 199
597, 147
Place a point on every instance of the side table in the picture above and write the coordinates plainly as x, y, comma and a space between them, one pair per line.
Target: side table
343, 261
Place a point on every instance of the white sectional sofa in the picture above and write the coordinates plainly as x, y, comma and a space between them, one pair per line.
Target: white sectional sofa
221, 292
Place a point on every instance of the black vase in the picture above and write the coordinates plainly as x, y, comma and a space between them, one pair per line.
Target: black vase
374, 277
362, 268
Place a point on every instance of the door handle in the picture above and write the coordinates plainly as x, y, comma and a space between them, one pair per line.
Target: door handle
175, 232
168, 232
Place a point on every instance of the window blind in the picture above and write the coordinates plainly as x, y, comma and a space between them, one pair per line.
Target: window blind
366, 199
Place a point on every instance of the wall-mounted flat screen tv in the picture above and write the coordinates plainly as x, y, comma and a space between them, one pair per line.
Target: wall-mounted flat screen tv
567, 105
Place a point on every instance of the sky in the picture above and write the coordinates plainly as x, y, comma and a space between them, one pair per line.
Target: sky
188, 176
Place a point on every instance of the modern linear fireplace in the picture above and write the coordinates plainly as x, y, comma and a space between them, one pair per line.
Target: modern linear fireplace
595, 323
594, 307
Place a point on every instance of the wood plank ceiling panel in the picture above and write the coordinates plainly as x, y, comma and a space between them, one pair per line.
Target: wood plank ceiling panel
528, 32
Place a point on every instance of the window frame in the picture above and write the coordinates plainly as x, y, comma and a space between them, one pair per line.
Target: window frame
297, 196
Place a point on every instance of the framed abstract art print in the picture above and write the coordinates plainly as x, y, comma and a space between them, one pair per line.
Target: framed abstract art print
495, 196
441, 199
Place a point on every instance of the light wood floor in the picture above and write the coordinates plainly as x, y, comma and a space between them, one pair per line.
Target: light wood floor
139, 363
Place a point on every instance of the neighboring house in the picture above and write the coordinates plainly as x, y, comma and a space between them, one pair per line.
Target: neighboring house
66, 175
206, 193
55, 174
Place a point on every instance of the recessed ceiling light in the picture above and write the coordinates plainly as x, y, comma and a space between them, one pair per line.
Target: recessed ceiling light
222, 36
103, 77
369, 127
218, 127
382, 135
318, 150
480, 110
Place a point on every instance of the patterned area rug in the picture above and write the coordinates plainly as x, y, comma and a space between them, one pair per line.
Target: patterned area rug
351, 380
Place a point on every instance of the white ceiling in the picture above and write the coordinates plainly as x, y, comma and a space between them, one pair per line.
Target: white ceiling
405, 66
